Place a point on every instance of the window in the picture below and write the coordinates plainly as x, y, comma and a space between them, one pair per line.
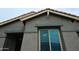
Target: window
49, 40
13, 42
44, 40
78, 34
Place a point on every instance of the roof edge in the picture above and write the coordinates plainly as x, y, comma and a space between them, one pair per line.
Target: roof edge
54, 12
34, 14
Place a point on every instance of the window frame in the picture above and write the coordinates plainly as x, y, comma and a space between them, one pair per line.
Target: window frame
49, 38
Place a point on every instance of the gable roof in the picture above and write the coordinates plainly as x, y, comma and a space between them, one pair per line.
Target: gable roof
34, 14
17, 18
48, 10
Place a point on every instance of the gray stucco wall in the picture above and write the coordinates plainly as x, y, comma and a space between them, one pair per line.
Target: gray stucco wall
68, 31
29, 42
30, 38
16, 26
71, 41
2, 39
49, 21
10, 28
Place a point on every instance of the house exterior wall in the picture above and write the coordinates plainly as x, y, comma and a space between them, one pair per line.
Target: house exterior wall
30, 42
2, 40
31, 38
9, 28
16, 26
68, 31
71, 41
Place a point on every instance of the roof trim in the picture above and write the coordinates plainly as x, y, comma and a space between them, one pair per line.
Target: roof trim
8, 21
54, 12
17, 18
69, 16
39, 13
34, 14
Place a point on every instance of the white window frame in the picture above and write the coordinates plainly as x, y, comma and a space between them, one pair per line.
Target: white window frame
49, 39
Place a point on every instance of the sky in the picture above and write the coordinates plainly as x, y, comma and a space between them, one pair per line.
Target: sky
8, 13
12, 8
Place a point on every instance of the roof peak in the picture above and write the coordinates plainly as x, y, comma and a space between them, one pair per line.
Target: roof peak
34, 14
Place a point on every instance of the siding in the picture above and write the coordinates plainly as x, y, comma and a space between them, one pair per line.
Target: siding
71, 41
68, 31
16, 26
10, 28
29, 42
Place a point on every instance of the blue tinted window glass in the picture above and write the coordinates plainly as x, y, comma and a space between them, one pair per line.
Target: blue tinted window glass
44, 40
54, 38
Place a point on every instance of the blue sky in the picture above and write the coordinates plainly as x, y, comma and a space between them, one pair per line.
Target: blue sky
8, 13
